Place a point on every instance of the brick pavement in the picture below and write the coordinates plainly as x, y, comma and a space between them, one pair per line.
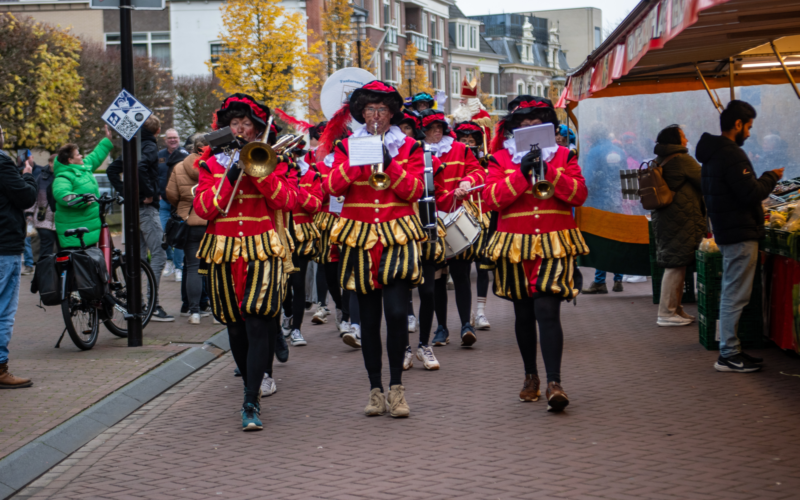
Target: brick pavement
68, 380
650, 418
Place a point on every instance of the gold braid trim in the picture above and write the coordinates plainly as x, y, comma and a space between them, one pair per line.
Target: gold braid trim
217, 249
356, 234
518, 247
325, 220
308, 239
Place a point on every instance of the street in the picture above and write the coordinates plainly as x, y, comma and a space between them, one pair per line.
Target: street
649, 417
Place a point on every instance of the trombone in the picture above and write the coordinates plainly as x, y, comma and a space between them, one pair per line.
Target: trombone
542, 188
485, 160
379, 180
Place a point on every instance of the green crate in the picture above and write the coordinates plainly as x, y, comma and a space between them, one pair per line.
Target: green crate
709, 287
707, 301
750, 333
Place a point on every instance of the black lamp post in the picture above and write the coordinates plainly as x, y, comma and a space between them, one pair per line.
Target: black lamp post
357, 21
410, 71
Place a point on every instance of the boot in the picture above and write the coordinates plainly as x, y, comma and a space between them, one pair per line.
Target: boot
617, 286
9, 381
530, 390
595, 288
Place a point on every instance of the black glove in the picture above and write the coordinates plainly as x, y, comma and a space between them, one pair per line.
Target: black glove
530, 162
233, 173
387, 158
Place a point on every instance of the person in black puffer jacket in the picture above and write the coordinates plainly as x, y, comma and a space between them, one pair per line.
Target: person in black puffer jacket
733, 196
680, 226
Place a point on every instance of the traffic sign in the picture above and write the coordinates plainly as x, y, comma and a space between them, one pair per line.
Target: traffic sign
126, 115
136, 4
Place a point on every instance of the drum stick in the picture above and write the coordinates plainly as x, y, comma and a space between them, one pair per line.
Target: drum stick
476, 187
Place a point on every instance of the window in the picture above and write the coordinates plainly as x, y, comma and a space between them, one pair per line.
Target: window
376, 12
378, 67
520, 88
424, 28
473, 38
398, 66
387, 67
427, 68
434, 77
441, 78
155, 45
598, 35
530, 90
386, 15
217, 50
540, 90
440, 35
396, 20
470, 75
433, 33
461, 39
455, 81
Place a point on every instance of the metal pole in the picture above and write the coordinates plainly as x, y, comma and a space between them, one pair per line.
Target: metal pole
730, 77
785, 69
717, 104
358, 49
131, 182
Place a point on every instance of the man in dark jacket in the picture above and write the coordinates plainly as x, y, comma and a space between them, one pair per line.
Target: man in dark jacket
17, 194
733, 197
167, 159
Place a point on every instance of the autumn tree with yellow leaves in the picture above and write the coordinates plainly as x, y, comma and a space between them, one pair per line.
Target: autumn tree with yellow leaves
39, 83
339, 37
419, 79
266, 54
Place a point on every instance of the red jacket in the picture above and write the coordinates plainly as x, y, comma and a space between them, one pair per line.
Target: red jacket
309, 198
459, 165
364, 204
511, 194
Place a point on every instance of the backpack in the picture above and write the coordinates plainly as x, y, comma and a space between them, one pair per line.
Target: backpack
654, 194
51, 200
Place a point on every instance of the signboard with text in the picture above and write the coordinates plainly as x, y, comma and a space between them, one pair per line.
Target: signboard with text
126, 115
136, 4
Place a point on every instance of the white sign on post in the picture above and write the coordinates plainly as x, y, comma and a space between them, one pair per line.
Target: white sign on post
126, 115
135, 4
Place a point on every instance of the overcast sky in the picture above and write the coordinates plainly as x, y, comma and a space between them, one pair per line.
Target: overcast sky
613, 10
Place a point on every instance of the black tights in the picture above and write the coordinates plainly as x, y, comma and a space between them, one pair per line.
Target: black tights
330, 274
350, 299
392, 299
253, 346
459, 269
545, 310
294, 304
483, 280
426, 302
440, 300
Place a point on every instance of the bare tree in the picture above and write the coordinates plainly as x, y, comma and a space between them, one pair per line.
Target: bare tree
195, 103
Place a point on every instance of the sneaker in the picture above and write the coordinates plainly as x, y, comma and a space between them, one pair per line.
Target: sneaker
268, 386
160, 315
617, 286
408, 359
481, 323
344, 328
751, 359
595, 288
178, 275
684, 314
309, 305
236, 372
441, 336
205, 313
281, 349
194, 319
737, 364
338, 315
321, 315
468, 336
185, 312
635, 279
450, 284
169, 268
530, 389
377, 403
412, 323
286, 326
425, 354
296, 338
398, 408
674, 320
353, 337
214, 321
556, 397
250, 420
26, 271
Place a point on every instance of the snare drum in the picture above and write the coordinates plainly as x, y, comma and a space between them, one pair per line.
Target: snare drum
427, 204
462, 231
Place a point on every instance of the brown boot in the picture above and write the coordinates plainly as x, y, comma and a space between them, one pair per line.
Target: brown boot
556, 397
530, 390
8, 381
595, 288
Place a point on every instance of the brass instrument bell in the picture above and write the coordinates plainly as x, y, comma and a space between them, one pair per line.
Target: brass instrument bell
379, 180
542, 188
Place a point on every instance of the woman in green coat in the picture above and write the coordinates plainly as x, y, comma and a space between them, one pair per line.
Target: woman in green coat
74, 177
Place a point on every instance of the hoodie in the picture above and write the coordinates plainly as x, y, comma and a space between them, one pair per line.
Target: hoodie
148, 169
732, 193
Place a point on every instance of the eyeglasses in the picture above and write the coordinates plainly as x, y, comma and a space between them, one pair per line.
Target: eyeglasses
370, 111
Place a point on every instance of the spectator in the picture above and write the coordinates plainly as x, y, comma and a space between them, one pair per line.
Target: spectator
167, 159
44, 217
27, 253
679, 227
17, 192
733, 196
73, 177
179, 193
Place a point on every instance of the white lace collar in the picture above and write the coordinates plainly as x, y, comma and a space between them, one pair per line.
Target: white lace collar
442, 147
328, 160
394, 140
224, 160
303, 166
516, 157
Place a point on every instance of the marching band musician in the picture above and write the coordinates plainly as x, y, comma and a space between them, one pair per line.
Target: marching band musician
243, 251
421, 101
471, 134
379, 232
461, 172
536, 241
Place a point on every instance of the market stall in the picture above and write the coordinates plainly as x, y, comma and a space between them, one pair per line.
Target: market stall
695, 48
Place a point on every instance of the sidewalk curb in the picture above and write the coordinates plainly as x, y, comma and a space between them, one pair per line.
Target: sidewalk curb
26, 464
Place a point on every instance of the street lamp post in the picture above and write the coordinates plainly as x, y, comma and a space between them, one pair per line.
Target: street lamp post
357, 21
410, 70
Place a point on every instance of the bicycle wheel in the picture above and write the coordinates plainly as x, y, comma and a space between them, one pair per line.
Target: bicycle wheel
80, 317
117, 324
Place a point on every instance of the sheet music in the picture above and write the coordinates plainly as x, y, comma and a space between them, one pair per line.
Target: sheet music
544, 135
365, 150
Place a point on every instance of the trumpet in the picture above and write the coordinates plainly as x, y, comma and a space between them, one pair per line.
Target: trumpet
379, 180
485, 160
542, 188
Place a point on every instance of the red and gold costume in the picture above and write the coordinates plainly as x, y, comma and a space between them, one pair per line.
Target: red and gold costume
309, 202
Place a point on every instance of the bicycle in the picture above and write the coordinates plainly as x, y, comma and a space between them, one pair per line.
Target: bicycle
82, 317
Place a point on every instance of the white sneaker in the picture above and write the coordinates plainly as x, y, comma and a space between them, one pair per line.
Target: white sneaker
408, 359
268, 387
635, 279
344, 328
674, 320
321, 315
450, 284
286, 326
353, 337
215, 322
194, 319
429, 361
412, 323
481, 323
178, 275
338, 315
296, 338
206, 313
169, 268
